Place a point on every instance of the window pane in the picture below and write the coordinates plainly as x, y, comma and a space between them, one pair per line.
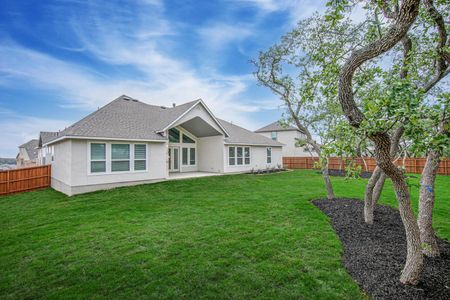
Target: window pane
231, 152
274, 135
239, 160
98, 166
140, 165
187, 139
121, 165
231, 161
247, 160
269, 151
247, 151
175, 158
174, 135
239, 151
120, 151
192, 156
140, 152
185, 156
98, 151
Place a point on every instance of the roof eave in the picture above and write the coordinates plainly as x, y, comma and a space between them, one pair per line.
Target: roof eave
188, 110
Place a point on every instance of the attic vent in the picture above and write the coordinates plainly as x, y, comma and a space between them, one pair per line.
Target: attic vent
126, 98
134, 100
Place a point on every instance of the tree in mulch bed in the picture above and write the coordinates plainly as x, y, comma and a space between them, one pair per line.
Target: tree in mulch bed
374, 255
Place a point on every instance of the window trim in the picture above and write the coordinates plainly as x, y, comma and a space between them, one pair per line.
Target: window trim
235, 157
134, 157
268, 156
274, 135
188, 161
90, 160
108, 160
130, 148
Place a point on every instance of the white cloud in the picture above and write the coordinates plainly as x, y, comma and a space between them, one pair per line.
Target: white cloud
296, 9
217, 36
17, 130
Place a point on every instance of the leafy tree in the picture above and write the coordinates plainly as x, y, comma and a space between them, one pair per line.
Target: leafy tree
302, 69
407, 14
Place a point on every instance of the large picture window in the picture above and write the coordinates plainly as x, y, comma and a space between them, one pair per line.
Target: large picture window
98, 158
238, 156
174, 135
120, 157
140, 157
187, 139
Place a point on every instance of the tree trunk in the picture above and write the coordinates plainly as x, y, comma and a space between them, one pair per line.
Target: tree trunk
406, 16
369, 205
327, 180
414, 258
378, 188
426, 203
378, 178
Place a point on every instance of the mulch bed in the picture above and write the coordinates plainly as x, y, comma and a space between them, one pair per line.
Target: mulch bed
341, 173
374, 254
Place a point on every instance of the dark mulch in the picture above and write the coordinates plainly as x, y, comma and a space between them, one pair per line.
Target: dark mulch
374, 254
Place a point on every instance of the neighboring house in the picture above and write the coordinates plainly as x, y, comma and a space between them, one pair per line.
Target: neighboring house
287, 135
45, 153
128, 142
28, 154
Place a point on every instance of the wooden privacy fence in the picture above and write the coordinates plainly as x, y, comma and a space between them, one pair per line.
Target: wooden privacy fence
25, 179
411, 164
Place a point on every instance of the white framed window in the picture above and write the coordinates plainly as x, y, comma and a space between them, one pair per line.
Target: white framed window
247, 155
120, 157
274, 135
188, 156
140, 157
269, 155
98, 157
231, 156
192, 156
238, 156
184, 156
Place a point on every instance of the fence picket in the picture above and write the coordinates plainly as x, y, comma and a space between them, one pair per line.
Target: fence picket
412, 165
26, 179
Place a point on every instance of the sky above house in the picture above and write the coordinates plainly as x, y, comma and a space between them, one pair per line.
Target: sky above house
62, 59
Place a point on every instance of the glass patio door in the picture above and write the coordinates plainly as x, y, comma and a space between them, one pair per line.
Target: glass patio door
174, 159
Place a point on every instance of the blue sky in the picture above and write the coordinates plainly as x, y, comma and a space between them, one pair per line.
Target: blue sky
61, 59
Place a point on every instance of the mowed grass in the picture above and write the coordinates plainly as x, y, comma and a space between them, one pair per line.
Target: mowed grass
239, 237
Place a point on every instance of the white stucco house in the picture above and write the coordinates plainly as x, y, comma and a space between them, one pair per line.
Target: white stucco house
287, 135
129, 142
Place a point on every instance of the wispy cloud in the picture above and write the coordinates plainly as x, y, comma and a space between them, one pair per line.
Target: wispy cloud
17, 129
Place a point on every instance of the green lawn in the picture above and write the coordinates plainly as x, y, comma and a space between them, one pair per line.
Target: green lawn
240, 237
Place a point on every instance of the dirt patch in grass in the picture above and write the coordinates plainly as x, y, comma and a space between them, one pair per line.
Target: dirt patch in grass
374, 254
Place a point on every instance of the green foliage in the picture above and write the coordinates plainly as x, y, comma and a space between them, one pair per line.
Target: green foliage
352, 170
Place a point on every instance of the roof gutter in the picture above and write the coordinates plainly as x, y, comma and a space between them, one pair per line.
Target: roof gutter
73, 137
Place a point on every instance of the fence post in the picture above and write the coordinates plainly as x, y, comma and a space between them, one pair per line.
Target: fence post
7, 182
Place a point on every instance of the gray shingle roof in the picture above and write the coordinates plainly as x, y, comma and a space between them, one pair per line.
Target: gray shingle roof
275, 126
46, 136
239, 135
31, 148
128, 118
